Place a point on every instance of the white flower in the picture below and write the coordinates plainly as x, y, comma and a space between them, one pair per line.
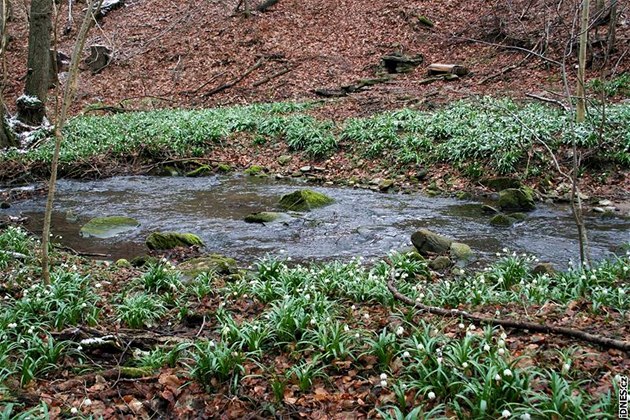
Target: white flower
87, 402
431, 395
74, 410
465, 365
31, 330
472, 327
400, 330
506, 414
353, 307
346, 328
439, 360
461, 326
486, 347
525, 416
357, 335
497, 377
383, 376
79, 348
406, 354
313, 321
501, 343
566, 367
507, 372
497, 313
12, 325
97, 285
383, 383
366, 316
420, 346
501, 352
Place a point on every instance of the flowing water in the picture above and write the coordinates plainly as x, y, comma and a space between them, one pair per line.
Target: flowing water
359, 223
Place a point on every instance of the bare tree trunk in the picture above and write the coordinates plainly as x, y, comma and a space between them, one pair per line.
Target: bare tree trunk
7, 138
580, 111
38, 75
612, 27
68, 93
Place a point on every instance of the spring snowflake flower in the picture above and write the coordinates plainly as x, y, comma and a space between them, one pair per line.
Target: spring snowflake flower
383, 376
420, 346
97, 285
506, 414
431, 395
406, 354
501, 343
501, 351
12, 325
465, 365
346, 328
357, 335
461, 326
366, 316
400, 330
472, 327
87, 402
353, 307
439, 360
486, 347
507, 372
566, 367
383, 383
497, 377
525, 416
74, 410
313, 321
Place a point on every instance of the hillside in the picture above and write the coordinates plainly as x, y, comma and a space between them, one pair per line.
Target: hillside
169, 54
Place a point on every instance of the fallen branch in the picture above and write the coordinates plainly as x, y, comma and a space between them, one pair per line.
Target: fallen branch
548, 100
506, 323
272, 76
513, 48
228, 85
501, 72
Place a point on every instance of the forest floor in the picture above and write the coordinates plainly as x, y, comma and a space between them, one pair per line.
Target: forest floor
320, 341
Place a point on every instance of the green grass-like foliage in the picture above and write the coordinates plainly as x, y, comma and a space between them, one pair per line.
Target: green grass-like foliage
472, 134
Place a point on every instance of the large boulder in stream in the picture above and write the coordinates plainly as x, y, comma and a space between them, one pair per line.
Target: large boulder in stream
427, 243
516, 199
213, 263
170, 240
108, 227
304, 200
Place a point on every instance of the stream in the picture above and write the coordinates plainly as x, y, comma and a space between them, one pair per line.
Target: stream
359, 223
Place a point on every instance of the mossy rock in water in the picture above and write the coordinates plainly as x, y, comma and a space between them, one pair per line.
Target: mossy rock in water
224, 167
518, 216
170, 240
108, 227
427, 242
254, 170
203, 170
516, 199
499, 183
262, 217
460, 251
502, 220
304, 200
213, 263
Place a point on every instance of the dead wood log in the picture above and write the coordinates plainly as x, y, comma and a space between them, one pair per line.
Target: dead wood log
228, 85
262, 7
508, 323
438, 68
549, 100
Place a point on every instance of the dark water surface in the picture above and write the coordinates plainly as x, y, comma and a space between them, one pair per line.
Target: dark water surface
360, 223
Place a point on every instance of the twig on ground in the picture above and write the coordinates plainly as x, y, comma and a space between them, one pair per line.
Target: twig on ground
228, 85
548, 100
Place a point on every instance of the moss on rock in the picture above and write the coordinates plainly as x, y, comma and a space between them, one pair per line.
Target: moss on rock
304, 200
254, 170
516, 199
460, 251
213, 263
262, 217
502, 220
107, 227
427, 242
170, 240
200, 171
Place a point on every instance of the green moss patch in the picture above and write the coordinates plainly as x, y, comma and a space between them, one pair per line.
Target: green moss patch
304, 200
108, 227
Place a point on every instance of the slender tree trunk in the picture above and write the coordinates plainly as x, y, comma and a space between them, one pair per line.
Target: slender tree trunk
580, 111
612, 27
7, 138
39, 37
68, 93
